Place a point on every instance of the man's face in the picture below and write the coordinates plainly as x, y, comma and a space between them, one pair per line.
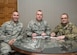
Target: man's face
15, 16
39, 16
64, 19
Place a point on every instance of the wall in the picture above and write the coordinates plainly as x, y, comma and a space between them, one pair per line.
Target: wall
52, 10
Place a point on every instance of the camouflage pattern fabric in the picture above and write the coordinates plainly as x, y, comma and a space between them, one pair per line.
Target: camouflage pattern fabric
37, 27
70, 30
10, 30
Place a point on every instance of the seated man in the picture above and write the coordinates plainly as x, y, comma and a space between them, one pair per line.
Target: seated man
11, 31
38, 27
65, 30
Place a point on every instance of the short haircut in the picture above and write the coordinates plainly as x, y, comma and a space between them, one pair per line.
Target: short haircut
40, 10
65, 14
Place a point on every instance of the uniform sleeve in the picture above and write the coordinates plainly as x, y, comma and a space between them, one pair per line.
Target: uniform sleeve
73, 33
20, 35
3, 31
47, 29
29, 29
55, 30
5, 38
1, 38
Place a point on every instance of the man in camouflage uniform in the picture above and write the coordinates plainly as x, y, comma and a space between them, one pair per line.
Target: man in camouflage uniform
65, 30
11, 30
38, 27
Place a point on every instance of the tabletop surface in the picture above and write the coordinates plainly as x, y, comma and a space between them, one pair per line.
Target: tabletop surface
46, 45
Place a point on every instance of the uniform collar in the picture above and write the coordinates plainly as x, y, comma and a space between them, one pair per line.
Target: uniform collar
13, 23
65, 26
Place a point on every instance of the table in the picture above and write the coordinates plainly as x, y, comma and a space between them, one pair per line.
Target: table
47, 47
34, 53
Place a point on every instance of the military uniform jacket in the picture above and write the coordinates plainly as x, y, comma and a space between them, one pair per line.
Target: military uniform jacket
37, 27
11, 30
70, 30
